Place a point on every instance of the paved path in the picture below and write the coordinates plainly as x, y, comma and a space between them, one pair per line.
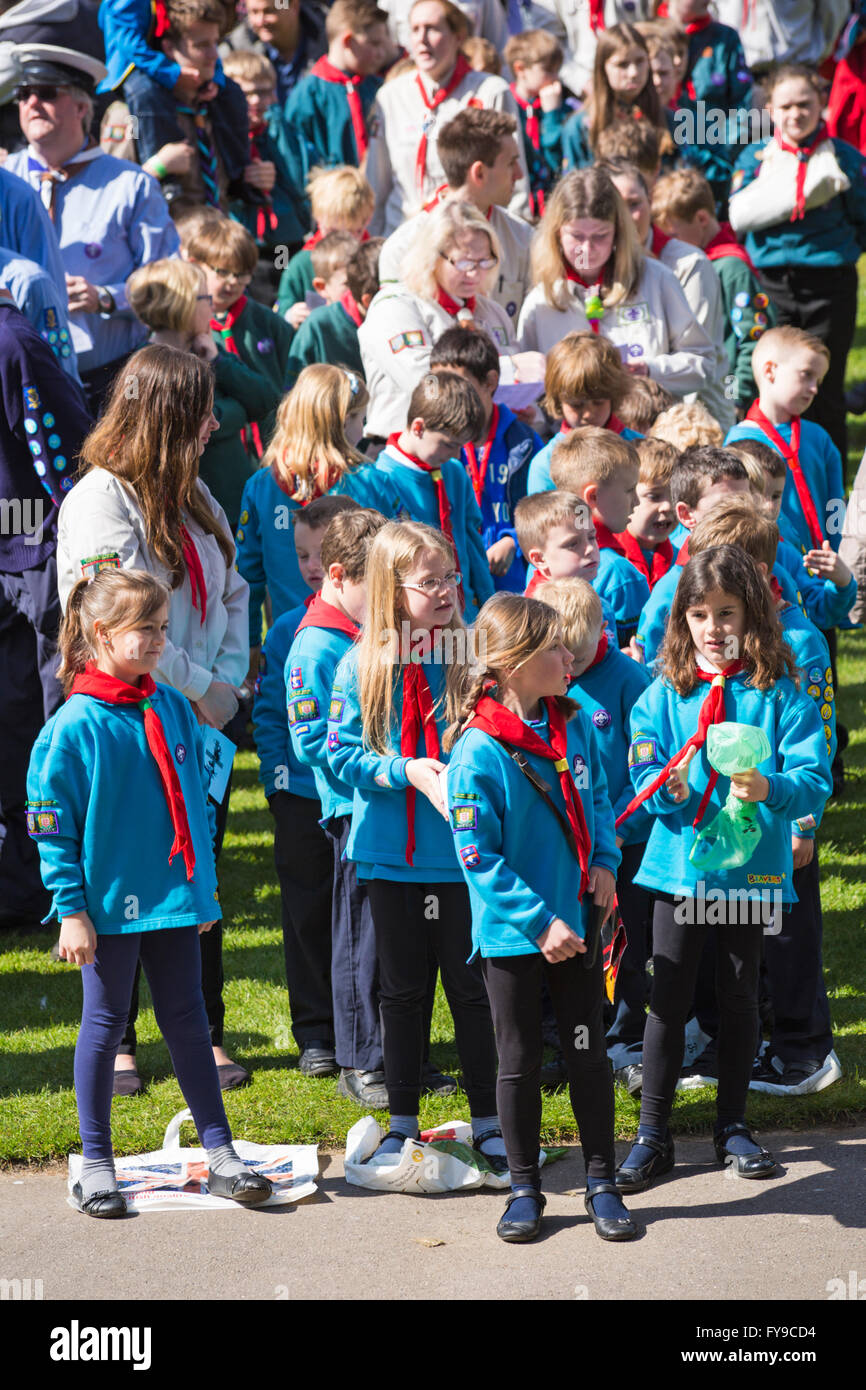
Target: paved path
704, 1236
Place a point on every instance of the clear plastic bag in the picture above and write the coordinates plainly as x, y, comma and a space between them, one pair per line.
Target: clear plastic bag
732, 836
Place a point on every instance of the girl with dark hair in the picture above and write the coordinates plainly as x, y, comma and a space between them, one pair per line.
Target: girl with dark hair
622, 88
724, 659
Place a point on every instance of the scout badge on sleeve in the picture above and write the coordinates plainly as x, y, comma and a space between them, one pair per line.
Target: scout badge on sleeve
732, 836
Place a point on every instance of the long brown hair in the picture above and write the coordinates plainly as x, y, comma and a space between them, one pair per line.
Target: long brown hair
585, 193
148, 437
602, 105
765, 652
116, 599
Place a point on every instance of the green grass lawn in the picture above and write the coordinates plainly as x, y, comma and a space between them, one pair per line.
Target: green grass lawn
40, 1001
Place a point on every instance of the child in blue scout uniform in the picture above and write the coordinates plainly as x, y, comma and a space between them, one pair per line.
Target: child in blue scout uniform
602, 469
309, 456
424, 476
722, 606
535, 58
330, 106
326, 632
606, 684
584, 384
621, 89
497, 463
389, 711
302, 852
127, 753
804, 226
526, 771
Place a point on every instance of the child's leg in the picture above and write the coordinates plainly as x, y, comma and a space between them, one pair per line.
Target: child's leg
106, 986
228, 113
802, 1031
738, 965
305, 867
401, 945
677, 946
578, 996
154, 109
354, 966
448, 919
625, 1034
513, 986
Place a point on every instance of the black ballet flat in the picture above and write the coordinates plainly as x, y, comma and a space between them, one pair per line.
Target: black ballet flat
250, 1189
608, 1227
640, 1178
759, 1165
108, 1206
521, 1232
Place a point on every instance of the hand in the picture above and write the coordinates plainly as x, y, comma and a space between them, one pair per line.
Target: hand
551, 96
827, 563
559, 942
298, 312
677, 784
77, 939
203, 346
176, 157
206, 926
602, 886
253, 668
529, 415
528, 366
83, 297
634, 651
187, 85
501, 554
261, 174
218, 704
750, 786
803, 850
638, 368
423, 773
207, 92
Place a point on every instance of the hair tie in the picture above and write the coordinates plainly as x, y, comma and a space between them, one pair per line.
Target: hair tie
354, 384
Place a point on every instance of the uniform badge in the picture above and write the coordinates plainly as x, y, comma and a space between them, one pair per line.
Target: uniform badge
109, 559
498, 335
43, 818
59, 463
828, 692
643, 751
828, 676
815, 673
296, 679
48, 419
464, 817
31, 398
736, 315
265, 346
511, 309
303, 709
578, 766
93, 250
601, 719
634, 313
49, 318
244, 517
335, 711
470, 856
760, 301
180, 753
414, 338
30, 425
333, 740
826, 711
806, 823
814, 691
381, 780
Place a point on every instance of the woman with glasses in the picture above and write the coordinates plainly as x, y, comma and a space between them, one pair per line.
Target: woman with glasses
444, 281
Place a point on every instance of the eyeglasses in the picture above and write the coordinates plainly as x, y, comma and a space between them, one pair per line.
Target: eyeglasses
230, 274
433, 586
43, 91
464, 265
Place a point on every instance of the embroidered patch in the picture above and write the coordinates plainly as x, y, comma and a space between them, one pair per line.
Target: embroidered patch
302, 728
244, 517
634, 313
828, 676
31, 398
601, 718
826, 711
180, 753
333, 739
48, 420
466, 796
93, 250
765, 878
382, 780
498, 335
265, 346
307, 708
90, 567
470, 856
511, 309
49, 317
578, 766
815, 673
31, 426
464, 817
736, 315
741, 299
415, 338
335, 712
828, 734
760, 301
814, 691
42, 818
59, 462
643, 751
296, 679
635, 350
806, 823
760, 320
829, 693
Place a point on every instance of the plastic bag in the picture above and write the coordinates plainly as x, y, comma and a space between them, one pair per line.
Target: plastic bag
172, 1178
732, 836
441, 1161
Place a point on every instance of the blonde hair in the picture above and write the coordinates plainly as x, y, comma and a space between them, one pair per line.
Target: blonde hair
244, 65
340, 198
586, 193
583, 366
735, 521
392, 554
591, 455
777, 342
438, 233
509, 630
309, 450
682, 194
220, 243
755, 470
657, 461
333, 253
536, 515
685, 425
481, 55
163, 294
114, 598
578, 606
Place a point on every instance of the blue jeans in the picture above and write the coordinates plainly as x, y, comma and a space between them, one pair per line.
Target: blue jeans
155, 109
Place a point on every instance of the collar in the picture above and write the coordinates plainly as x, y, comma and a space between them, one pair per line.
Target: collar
88, 151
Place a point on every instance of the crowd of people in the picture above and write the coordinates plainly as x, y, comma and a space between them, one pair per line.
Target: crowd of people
454, 393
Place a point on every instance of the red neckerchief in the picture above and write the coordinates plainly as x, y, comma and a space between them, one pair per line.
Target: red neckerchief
533, 110
663, 557
322, 614
803, 153
712, 711
535, 583
725, 243
292, 486
600, 651
161, 21
659, 241
226, 333
442, 498
436, 199
350, 305
615, 424
478, 471
776, 590
417, 717
596, 15
266, 218
606, 538
697, 26
683, 553
454, 306
506, 727
461, 68
791, 454
98, 683
313, 240
351, 83
195, 572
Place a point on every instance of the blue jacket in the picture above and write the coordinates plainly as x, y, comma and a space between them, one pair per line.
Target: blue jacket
279, 766
97, 811
812, 656
539, 469
823, 602
606, 693
377, 842
624, 588
505, 483
266, 542
127, 24
414, 499
510, 846
821, 463
25, 227
308, 678
35, 294
798, 771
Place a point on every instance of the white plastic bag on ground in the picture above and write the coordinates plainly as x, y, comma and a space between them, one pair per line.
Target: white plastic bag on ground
172, 1178
443, 1161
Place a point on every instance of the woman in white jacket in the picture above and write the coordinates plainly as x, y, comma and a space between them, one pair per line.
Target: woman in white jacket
140, 504
590, 273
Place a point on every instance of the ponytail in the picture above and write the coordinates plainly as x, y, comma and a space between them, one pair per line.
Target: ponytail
75, 650
115, 598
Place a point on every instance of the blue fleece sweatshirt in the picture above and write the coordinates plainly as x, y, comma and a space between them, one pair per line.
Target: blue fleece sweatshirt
308, 679
279, 766
607, 693
505, 480
821, 463
824, 602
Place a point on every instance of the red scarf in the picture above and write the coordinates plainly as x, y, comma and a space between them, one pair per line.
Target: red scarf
322, 614
350, 305
535, 583
683, 553
454, 306
116, 692
596, 15
697, 26
659, 241
195, 572
606, 538
712, 711
803, 153
791, 455
417, 716
533, 110
161, 21
436, 199
266, 218
226, 333
506, 727
442, 498
615, 424
571, 274
600, 651
461, 68
313, 240
478, 471
662, 557
351, 83
725, 243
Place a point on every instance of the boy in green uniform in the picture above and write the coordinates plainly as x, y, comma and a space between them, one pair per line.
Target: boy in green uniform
330, 334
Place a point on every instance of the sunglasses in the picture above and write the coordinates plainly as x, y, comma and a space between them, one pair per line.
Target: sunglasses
43, 91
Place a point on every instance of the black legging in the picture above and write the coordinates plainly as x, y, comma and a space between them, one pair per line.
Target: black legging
677, 947
408, 918
514, 985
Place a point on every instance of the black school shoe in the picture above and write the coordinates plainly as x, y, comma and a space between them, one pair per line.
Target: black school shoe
318, 1059
108, 1206
521, 1232
250, 1189
639, 1178
609, 1228
758, 1165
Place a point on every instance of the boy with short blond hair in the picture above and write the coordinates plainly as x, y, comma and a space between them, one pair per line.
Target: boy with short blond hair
535, 57
341, 200
646, 540
687, 425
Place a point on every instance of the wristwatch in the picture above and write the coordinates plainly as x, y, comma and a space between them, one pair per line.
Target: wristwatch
105, 300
